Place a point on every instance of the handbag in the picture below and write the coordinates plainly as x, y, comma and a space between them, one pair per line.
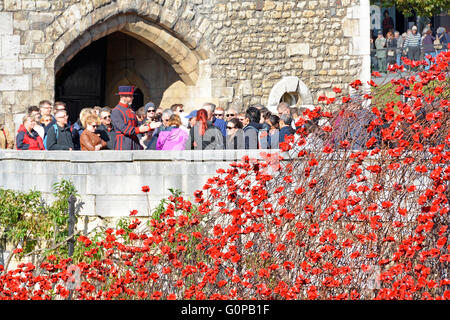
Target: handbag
391, 53
437, 43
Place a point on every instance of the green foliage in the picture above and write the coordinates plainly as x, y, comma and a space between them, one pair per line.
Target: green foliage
21, 215
162, 204
26, 220
424, 8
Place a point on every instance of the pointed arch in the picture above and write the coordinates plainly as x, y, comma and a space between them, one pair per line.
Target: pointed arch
183, 60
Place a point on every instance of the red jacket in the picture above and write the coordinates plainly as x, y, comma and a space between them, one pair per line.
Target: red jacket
27, 141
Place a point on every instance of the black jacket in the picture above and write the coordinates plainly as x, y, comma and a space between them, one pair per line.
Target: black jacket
251, 135
106, 135
64, 140
286, 131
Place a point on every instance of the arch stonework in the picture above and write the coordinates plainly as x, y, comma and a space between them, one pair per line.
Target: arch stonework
174, 34
184, 59
289, 84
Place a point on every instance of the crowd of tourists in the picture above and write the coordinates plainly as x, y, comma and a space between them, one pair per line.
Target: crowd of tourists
47, 127
388, 46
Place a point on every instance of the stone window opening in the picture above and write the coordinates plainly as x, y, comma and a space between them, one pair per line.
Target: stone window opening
292, 98
291, 90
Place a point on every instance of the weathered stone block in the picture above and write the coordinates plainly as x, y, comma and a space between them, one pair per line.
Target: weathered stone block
293, 49
15, 82
6, 25
309, 64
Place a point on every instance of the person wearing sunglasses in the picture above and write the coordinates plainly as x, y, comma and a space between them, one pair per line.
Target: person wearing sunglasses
177, 109
219, 113
230, 114
241, 116
150, 139
217, 122
235, 134
150, 112
105, 128
58, 135
90, 140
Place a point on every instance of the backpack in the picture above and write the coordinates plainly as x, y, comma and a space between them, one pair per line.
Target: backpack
45, 138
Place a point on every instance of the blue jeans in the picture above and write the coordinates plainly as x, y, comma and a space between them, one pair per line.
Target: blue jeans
398, 60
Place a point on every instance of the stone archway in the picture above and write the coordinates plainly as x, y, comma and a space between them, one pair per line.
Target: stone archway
182, 37
184, 60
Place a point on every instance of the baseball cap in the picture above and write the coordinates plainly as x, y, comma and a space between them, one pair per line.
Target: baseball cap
192, 114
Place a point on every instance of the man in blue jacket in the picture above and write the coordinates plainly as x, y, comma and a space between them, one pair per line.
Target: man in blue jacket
285, 127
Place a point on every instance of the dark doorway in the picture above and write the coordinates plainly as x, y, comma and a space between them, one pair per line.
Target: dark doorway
93, 75
138, 100
400, 22
81, 82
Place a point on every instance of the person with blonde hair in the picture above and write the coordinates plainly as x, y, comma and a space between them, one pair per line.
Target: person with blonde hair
45, 120
28, 138
97, 110
173, 137
79, 126
90, 140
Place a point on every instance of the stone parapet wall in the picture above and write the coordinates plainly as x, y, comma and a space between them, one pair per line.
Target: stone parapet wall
109, 182
231, 52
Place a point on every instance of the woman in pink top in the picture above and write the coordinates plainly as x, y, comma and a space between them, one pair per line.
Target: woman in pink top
173, 137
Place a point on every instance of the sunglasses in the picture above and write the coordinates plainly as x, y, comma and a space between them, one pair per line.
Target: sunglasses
94, 125
230, 115
148, 111
218, 114
107, 117
230, 128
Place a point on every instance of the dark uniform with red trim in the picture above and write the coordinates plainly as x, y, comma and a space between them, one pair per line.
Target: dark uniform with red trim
124, 122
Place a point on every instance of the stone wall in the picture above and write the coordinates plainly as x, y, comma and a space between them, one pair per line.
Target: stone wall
109, 182
231, 52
